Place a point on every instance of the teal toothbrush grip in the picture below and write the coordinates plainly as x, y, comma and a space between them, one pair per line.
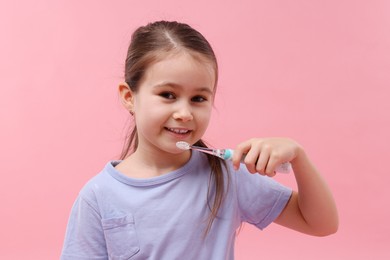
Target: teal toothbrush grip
283, 168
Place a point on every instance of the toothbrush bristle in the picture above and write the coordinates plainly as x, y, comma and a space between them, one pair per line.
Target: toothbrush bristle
183, 145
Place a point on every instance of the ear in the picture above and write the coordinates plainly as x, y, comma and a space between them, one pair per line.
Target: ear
126, 96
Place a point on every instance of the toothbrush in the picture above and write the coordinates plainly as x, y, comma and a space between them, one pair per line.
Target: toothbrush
226, 154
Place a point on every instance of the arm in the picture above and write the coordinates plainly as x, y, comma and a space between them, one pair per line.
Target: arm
312, 209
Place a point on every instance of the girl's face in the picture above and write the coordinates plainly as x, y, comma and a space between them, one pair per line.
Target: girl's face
174, 102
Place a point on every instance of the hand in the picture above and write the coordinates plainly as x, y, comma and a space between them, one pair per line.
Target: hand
263, 155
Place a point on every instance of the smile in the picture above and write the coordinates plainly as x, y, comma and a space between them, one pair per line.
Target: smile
178, 131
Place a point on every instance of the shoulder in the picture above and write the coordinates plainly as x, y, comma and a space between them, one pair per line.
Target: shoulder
257, 193
246, 179
98, 184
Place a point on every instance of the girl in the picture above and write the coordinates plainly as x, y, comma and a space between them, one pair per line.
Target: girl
160, 202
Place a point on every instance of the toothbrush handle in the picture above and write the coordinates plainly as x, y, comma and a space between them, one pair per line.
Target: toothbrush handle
282, 168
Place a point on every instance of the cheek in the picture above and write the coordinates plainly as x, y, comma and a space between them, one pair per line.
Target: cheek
148, 107
204, 118
150, 117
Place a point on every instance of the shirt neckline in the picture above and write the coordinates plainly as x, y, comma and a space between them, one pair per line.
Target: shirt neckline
110, 168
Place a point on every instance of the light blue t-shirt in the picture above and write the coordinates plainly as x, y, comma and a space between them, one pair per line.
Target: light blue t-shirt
117, 217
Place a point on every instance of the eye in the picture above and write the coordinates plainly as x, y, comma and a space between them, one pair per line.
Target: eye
198, 99
167, 95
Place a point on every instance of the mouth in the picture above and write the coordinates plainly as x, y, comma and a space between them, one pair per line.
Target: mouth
179, 131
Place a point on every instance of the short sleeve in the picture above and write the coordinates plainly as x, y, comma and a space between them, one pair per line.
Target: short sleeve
260, 199
84, 237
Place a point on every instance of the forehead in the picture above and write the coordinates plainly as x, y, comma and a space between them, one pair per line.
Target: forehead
182, 68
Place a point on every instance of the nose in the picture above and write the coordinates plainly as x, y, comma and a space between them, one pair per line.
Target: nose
183, 113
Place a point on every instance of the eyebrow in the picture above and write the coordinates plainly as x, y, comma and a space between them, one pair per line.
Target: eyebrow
174, 85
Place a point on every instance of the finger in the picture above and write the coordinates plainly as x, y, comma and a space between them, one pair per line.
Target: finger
236, 159
262, 161
239, 152
270, 169
251, 159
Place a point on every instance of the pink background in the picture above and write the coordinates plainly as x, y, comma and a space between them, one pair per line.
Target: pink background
316, 71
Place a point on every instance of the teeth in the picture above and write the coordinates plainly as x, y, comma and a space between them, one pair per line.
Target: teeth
178, 131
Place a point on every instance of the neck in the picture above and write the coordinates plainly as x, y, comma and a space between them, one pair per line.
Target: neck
146, 164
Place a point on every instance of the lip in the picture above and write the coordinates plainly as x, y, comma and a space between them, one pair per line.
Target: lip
179, 132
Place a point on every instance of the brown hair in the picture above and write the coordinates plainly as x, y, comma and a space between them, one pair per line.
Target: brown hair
152, 43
